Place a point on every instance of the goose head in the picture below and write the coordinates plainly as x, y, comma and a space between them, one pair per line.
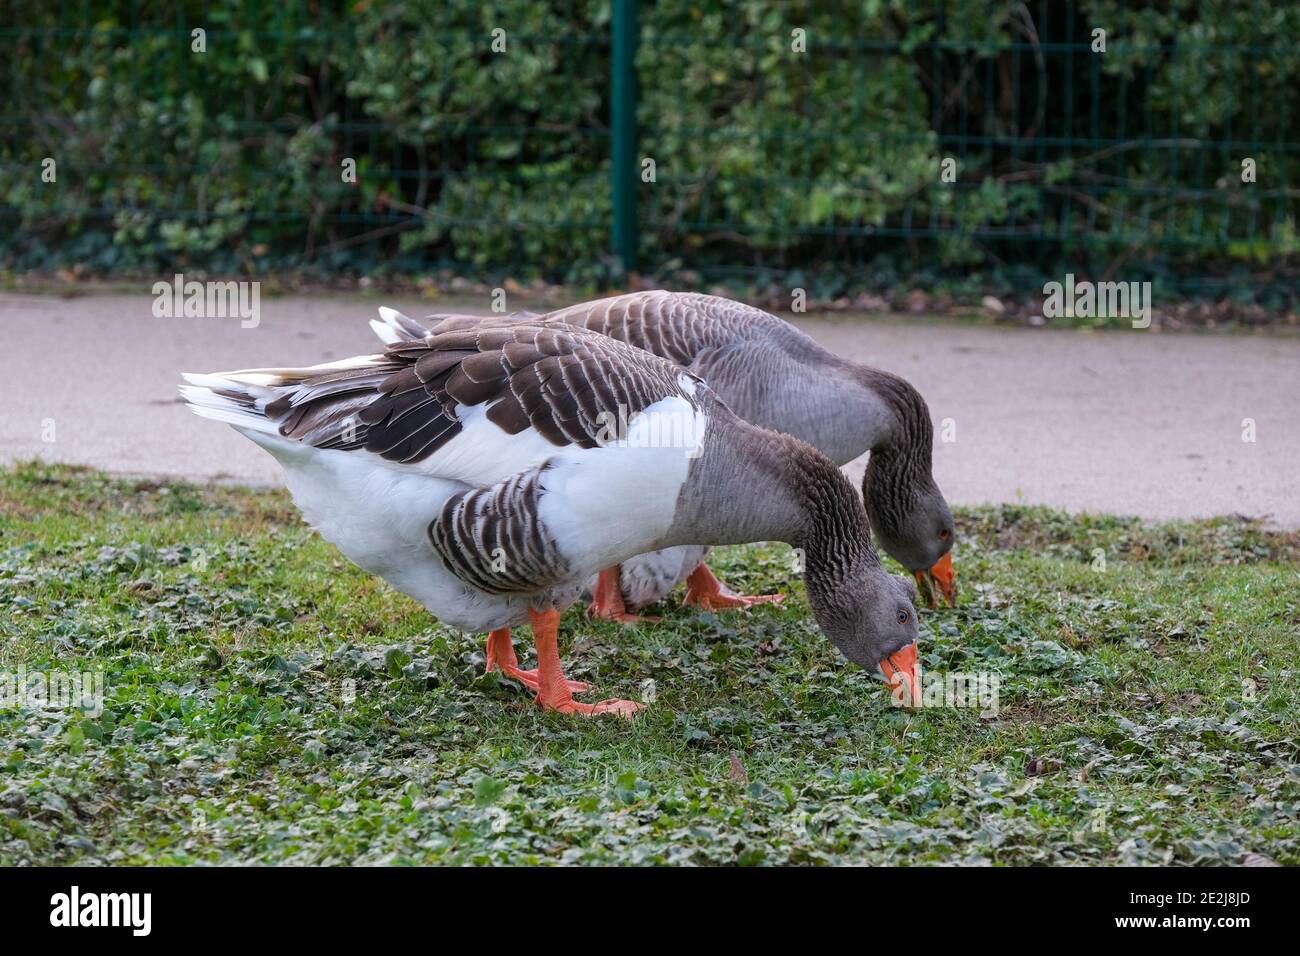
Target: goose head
867, 613
916, 529
908, 513
870, 616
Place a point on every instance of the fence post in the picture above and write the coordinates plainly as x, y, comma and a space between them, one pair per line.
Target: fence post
622, 131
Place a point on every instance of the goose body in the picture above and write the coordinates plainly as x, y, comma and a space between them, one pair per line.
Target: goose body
773, 375
474, 469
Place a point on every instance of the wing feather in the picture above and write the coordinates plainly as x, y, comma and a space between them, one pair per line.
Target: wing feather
494, 539
405, 405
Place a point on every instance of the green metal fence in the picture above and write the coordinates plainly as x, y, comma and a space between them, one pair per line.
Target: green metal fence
835, 145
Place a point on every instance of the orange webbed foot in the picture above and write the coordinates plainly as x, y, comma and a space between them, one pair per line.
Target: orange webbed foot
626, 709
501, 656
553, 691
703, 589
607, 602
533, 681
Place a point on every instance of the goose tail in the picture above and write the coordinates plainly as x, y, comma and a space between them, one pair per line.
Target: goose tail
393, 327
258, 401
237, 398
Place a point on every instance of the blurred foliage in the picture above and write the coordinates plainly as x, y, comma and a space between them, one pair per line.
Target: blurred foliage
817, 163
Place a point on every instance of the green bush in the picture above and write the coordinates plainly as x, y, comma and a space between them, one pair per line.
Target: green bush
767, 158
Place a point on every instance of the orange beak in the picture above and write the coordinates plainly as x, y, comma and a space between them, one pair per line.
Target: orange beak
900, 676
941, 580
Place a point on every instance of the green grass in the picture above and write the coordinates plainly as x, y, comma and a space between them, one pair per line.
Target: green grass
1148, 711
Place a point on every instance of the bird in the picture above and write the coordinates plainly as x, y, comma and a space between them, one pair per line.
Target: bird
489, 471
773, 375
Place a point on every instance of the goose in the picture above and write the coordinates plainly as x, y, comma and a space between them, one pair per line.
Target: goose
476, 470
775, 376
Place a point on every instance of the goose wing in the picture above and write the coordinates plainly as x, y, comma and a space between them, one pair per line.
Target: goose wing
710, 335
496, 539
562, 384
683, 327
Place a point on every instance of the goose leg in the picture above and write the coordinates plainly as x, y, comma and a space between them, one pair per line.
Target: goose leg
553, 692
608, 602
501, 656
703, 589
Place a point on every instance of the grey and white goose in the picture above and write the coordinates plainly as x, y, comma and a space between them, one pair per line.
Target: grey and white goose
474, 470
772, 375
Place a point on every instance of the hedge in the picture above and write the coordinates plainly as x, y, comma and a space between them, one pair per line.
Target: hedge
767, 160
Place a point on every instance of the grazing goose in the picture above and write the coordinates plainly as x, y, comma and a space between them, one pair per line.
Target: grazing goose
772, 375
476, 471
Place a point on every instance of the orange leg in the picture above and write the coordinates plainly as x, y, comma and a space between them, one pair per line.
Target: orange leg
703, 589
501, 655
553, 690
608, 603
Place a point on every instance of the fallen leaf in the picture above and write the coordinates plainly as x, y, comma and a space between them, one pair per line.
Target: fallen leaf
737, 770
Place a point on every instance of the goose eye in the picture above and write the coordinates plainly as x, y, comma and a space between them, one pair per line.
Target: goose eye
903, 617
943, 533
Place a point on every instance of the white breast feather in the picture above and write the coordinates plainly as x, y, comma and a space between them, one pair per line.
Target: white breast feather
605, 504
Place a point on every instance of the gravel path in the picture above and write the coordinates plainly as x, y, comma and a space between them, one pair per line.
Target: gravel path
1125, 422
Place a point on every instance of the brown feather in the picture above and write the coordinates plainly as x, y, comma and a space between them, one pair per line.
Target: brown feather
556, 379
432, 364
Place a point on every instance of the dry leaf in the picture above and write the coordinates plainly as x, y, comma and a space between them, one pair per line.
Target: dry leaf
737, 771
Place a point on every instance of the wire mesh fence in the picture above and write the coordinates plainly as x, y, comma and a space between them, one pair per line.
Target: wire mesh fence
836, 145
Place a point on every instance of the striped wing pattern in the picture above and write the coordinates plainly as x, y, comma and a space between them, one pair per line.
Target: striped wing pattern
493, 538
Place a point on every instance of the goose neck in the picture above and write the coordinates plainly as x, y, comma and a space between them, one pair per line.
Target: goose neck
901, 459
760, 485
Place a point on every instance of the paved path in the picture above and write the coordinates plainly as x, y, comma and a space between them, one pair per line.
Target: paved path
1126, 422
